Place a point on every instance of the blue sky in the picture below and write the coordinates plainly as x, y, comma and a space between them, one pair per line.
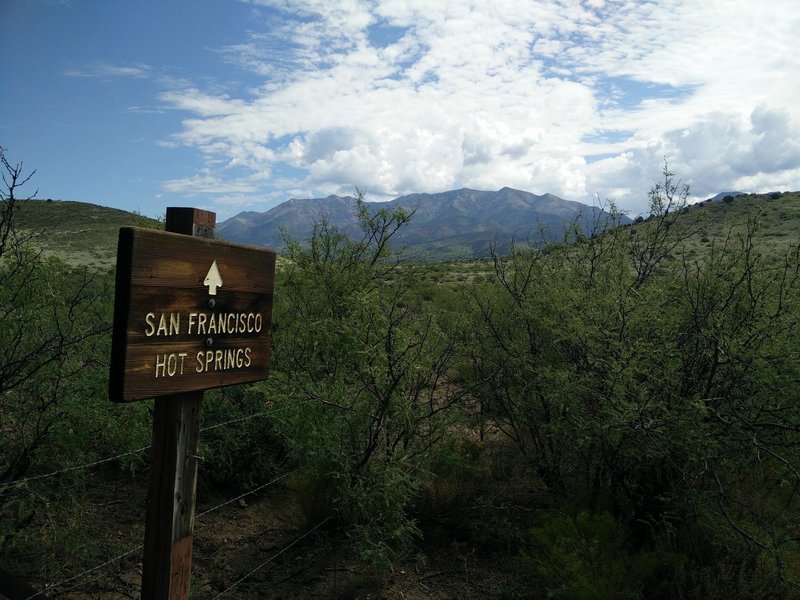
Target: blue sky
239, 105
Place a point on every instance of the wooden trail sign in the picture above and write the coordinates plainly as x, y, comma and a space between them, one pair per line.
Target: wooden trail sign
190, 314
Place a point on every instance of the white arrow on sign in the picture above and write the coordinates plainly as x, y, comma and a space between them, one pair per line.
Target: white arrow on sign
213, 279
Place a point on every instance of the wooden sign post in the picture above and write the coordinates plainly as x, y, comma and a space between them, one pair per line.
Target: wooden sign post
190, 314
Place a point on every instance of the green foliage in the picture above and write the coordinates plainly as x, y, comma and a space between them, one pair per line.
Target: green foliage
239, 443
588, 557
54, 412
356, 374
721, 564
648, 385
54, 408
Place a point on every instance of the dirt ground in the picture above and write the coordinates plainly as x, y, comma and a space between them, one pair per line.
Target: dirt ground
262, 547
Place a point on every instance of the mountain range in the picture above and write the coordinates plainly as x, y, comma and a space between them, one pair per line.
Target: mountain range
458, 224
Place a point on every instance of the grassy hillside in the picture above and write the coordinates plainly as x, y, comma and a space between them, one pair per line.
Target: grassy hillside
777, 214
77, 232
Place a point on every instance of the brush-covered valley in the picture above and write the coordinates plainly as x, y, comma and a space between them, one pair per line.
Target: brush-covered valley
612, 413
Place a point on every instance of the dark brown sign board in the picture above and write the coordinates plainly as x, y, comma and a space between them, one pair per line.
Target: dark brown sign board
189, 314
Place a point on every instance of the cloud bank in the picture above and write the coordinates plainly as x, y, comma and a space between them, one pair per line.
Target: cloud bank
581, 99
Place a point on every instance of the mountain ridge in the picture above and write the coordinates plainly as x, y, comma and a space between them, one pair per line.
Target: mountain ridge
461, 223
85, 234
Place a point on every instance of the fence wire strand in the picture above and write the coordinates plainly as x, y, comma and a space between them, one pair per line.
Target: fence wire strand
86, 572
74, 468
265, 413
253, 491
17, 482
139, 547
273, 557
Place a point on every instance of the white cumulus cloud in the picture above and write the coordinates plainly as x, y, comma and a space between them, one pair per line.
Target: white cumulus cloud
581, 99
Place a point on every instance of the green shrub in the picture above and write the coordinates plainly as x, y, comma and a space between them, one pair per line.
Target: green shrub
356, 380
643, 385
240, 445
588, 557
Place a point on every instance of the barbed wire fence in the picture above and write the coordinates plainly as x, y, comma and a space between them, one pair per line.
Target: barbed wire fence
61, 584
89, 465
76, 581
24, 480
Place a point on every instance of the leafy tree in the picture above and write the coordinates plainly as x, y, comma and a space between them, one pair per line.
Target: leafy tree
54, 412
361, 377
654, 241
657, 389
